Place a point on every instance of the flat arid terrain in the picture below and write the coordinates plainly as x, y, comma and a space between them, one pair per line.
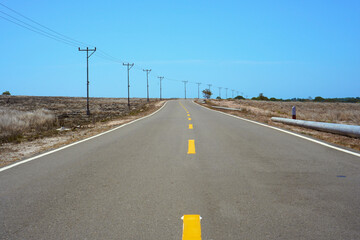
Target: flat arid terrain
31, 124
262, 111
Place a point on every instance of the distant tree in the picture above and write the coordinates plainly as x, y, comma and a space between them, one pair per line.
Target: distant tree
218, 97
6, 93
319, 99
239, 97
207, 93
273, 99
260, 97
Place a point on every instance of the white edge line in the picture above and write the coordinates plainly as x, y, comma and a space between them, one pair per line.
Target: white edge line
285, 131
83, 140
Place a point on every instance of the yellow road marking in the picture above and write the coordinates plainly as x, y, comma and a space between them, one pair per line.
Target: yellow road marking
191, 227
191, 146
191, 126
188, 115
184, 107
189, 119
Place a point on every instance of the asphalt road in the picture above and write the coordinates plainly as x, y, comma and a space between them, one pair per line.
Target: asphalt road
246, 181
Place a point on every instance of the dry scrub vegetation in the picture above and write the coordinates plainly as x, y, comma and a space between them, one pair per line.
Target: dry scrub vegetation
262, 111
28, 124
25, 117
14, 123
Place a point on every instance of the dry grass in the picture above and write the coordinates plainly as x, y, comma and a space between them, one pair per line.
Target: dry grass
13, 122
25, 118
262, 111
345, 113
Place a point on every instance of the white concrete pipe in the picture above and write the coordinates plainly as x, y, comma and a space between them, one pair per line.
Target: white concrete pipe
347, 130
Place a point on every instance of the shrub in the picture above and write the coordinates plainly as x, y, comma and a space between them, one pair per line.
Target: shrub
6, 93
207, 93
239, 97
260, 97
319, 99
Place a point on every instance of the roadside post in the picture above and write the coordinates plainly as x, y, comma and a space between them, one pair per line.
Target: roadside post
293, 111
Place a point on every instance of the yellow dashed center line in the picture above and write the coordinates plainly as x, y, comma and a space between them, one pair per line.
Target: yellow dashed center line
191, 146
184, 107
191, 227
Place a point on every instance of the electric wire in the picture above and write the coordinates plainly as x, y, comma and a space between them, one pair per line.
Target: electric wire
62, 38
41, 25
56, 39
35, 28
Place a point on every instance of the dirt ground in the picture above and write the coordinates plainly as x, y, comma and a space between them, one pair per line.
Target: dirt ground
262, 111
70, 113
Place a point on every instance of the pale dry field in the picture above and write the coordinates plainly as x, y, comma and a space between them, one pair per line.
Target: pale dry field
262, 111
29, 117
29, 125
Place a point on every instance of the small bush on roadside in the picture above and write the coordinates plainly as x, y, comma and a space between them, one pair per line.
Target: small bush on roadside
207, 93
6, 93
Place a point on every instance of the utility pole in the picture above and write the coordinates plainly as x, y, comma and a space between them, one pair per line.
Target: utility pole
210, 88
161, 78
198, 89
226, 92
220, 91
185, 87
147, 81
129, 66
232, 93
87, 75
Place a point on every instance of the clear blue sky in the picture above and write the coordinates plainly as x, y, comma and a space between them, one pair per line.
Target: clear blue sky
283, 49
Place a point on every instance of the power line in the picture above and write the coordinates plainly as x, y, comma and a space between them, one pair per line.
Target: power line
73, 45
56, 36
41, 25
185, 87
147, 81
87, 75
161, 78
129, 66
41, 29
198, 89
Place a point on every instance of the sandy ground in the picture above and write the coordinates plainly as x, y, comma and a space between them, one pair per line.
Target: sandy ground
263, 111
12, 152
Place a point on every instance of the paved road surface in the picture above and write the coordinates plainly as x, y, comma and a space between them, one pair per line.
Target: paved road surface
246, 181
